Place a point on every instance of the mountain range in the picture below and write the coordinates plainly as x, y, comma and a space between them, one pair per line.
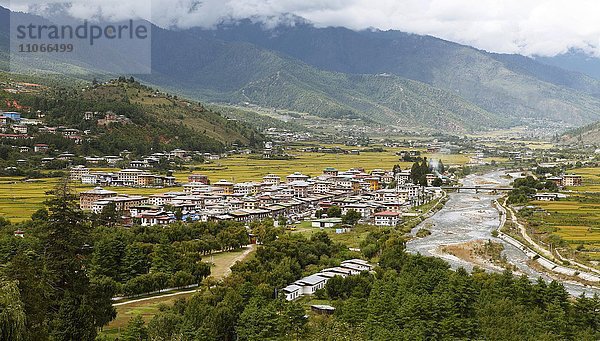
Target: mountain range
381, 77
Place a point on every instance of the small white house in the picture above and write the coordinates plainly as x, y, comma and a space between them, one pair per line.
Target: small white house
354, 269
311, 283
358, 263
338, 271
292, 292
326, 222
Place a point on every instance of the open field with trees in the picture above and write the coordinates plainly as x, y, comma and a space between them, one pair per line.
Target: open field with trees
220, 265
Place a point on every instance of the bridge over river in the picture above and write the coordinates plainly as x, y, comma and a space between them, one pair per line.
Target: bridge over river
477, 189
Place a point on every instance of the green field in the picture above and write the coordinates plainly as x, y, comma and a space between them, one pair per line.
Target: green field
352, 239
19, 199
576, 220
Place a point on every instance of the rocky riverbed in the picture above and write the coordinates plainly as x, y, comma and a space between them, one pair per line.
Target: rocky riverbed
469, 217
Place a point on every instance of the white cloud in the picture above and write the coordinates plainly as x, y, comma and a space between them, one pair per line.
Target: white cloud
542, 27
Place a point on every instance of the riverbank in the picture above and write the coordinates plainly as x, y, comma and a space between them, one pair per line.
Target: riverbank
537, 253
469, 216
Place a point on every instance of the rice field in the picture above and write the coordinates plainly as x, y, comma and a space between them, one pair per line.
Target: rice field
576, 220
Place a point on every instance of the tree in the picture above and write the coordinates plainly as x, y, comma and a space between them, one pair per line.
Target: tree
109, 216
164, 326
282, 221
293, 319
64, 239
102, 290
334, 211
12, 312
258, 321
136, 330
164, 258
351, 217
74, 320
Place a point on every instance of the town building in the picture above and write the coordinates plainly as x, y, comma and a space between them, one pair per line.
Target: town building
326, 222
572, 180
77, 172
387, 218
87, 198
198, 178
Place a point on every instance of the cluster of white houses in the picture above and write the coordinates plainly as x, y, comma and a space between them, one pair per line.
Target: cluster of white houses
124, 178
310, 284
296, 198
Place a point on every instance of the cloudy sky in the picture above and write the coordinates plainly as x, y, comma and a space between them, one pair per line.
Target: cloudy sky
529, 27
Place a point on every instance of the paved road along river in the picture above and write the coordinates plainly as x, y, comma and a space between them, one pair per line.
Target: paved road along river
470, 216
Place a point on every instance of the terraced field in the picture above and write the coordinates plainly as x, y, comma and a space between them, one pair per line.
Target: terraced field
576, 220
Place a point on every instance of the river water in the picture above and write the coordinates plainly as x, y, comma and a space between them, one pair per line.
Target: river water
470, 216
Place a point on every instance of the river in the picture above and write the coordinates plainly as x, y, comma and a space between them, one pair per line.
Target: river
470, 216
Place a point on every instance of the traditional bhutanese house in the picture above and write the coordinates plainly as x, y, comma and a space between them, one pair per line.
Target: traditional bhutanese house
276, 211
387, 218
87, 198
240, 215
225, 185
40, 148
572, 180
152, 218
198, 178
330, 171
297, 176
373, 183
356, 186
272, 179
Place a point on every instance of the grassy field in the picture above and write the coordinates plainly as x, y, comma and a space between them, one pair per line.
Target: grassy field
351, 239
19, 199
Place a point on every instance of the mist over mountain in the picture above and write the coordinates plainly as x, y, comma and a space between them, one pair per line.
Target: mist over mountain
380, 77
506, 85
575, 61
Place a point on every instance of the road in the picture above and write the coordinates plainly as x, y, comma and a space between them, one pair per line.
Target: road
470, 216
